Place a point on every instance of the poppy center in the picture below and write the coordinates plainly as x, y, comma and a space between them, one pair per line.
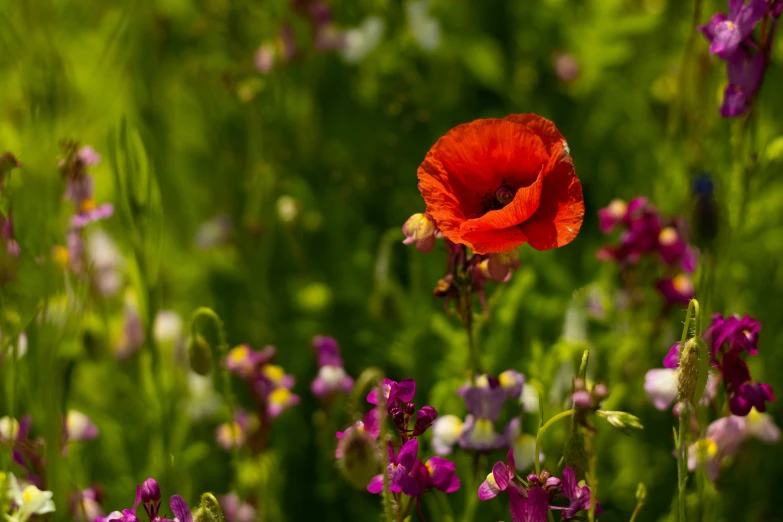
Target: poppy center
504, 195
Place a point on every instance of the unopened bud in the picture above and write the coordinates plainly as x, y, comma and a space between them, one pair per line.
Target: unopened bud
359, 459
424, 419
621, 420
600, 390
421, 230
641, 493
498, 266
688, 374
200, 354
150, 497
582, 400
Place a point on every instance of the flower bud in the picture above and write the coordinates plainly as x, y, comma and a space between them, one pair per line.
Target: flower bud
498, 266
582, 400
600, 391
689, 371
150, 497
200, 353
358, 458
424, 419
421, 230
641, 493
621, 420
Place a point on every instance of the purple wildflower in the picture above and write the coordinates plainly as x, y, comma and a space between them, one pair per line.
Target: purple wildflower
727, 34
331, 377
744, 74
733, 334
79, 427
235, 510
437, 473
677, 290
149, 494
371, 425
484, 405
394, 392
500, 479
244, 361
661, 387
400, 465
533, 508
579, 496
86, 505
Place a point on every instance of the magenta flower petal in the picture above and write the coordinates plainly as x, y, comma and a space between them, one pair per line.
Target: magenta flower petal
500, 474
569, 486
407, 455
180, 509
487, 491
406, 389
376, 484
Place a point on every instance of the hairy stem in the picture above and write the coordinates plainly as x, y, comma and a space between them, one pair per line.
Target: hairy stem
542, 429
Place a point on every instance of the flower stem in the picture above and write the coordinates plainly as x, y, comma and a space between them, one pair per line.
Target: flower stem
466, 314
541, 431
593, 478
694, 311
682, 461
387, 507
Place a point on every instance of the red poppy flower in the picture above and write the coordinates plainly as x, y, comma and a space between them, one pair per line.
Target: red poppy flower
495, 184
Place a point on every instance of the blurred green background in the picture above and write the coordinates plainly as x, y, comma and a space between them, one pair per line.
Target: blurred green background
310, 170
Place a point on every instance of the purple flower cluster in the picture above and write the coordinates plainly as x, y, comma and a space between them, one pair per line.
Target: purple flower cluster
79, 185
268, 383
331, 378
731, 39
484, 400
725, 436
26, 452
407, 473
79, 189
149, 496
325, 35
728, 338
531, 501
648, 235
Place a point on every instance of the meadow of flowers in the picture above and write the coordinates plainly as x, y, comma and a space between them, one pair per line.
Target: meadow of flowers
391, 260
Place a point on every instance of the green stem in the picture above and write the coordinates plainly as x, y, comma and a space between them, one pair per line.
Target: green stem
387, 507
682, 457
593, 482
225, 375
635, 513
694, 311
466, 314
541, 431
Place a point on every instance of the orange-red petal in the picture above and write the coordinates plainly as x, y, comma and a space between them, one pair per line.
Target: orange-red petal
524, 152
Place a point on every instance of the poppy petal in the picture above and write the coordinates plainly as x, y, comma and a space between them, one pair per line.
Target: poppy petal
561, 211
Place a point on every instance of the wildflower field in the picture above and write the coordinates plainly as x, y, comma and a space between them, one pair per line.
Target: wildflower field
411, 260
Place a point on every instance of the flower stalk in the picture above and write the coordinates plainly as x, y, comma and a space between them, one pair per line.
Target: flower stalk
542, 429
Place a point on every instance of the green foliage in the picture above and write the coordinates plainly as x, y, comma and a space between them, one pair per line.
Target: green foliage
313, 167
